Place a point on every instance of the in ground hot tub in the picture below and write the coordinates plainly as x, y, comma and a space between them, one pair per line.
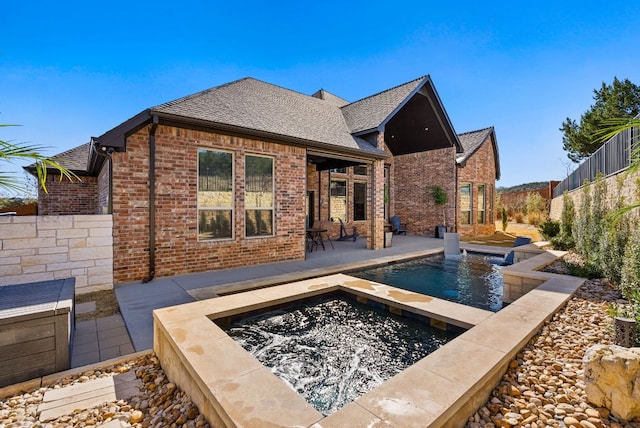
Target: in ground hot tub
233, 388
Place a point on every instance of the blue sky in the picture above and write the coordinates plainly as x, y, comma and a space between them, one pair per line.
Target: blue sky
71, 70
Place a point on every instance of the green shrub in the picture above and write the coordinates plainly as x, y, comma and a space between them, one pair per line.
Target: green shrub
563, 242
584, 271
549, 229
568, 214
614, 240
580, 231
630, 277
505, 219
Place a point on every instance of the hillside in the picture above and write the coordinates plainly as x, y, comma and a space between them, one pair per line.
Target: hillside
524, 187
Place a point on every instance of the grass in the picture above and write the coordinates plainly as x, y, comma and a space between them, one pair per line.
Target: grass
106, 304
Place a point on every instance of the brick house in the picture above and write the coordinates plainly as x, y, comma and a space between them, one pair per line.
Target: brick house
237, 172
478, 169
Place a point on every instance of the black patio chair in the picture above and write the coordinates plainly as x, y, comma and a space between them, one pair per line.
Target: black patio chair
344, 236
397, 227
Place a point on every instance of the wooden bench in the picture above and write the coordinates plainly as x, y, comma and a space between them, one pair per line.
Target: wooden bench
36, 329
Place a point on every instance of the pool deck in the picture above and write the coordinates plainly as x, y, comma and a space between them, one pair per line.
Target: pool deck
231, 388
137, 301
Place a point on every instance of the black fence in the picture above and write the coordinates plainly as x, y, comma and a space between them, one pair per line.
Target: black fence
614, 156
259, 183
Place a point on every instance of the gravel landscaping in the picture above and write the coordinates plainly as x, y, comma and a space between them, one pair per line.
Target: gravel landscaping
543, 386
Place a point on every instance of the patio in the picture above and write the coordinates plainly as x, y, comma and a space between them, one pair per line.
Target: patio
137, 300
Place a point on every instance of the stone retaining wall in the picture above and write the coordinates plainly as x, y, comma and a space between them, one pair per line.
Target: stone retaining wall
630, 190
42, 248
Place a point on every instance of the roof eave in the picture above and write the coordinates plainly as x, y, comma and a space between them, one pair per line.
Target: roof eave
181, 121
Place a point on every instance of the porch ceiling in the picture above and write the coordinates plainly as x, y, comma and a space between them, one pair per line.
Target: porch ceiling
326, 162
417, 127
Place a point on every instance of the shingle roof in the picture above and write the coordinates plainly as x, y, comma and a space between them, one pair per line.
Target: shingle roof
368, 113
471, 141
255, 105
75, 159
330, 98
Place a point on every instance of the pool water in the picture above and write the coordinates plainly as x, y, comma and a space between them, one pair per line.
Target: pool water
471, 279
332, 349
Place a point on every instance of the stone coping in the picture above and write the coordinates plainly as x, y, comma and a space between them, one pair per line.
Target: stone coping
232, 388
252, 284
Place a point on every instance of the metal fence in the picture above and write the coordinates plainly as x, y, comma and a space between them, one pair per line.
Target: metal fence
612, 157
257, 183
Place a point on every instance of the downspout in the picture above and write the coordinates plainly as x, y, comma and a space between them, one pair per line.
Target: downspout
152, 201
106, 153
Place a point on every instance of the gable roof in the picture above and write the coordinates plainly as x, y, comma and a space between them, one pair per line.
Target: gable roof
369, 113
321, 122
75, 160
471, 141
409, 111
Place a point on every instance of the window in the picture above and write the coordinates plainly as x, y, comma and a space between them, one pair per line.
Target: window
338, 200
490, 219
258, 200
481, 203
359, 201
360, 170
339, 170
215, 195
465, 203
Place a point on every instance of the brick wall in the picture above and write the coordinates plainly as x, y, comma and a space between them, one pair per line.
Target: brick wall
102, 200
517, 200
178, 250
41, 248
412, 178
479, 169
65, 197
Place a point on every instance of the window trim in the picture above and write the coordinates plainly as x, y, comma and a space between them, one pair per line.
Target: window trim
273, 197
482, 213
365, 199
346, 199
231, 208
470, 210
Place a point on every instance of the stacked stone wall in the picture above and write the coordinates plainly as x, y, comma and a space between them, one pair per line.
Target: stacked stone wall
623, 184
42, 248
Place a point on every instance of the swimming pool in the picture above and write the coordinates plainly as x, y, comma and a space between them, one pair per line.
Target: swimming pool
471, 279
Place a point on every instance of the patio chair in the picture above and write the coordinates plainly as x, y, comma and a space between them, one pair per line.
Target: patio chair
397, 227
344, 236
510, 256
322, 224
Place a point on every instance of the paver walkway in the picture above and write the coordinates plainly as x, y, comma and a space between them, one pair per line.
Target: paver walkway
99, 339
63, 401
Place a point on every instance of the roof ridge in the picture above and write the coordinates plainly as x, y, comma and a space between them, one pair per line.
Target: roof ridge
213, 88
387, 90
197, 94
476, 131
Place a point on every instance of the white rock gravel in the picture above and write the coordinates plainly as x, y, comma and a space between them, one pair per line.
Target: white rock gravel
159, 404
544, 385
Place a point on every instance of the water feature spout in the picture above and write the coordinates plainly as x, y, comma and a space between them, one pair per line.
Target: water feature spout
451, 245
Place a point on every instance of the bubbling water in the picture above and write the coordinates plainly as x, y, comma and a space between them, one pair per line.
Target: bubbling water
333, 350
